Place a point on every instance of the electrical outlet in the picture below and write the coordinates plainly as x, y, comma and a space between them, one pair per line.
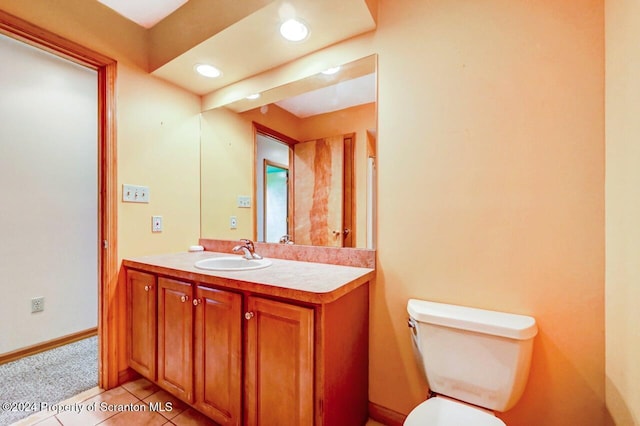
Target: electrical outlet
156, 223
37, 304
233, 222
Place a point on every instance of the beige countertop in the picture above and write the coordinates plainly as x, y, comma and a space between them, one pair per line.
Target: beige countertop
303, 281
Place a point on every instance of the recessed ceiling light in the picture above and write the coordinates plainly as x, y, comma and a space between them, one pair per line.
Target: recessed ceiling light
254, 96
208, 70
294, 30
331, 70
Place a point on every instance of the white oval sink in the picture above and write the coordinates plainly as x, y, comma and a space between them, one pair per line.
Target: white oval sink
231, 263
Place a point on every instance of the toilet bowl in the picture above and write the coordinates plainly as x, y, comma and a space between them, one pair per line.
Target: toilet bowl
475, 361
442, 411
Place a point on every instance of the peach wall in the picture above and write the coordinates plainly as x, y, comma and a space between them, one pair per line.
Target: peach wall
226, 172
491, 176
623, 210
158, 132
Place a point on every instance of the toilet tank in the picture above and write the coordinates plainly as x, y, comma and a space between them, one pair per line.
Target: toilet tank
474, 355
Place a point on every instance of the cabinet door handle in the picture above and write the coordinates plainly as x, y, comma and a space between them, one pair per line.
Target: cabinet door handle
196, 302
248, 315
184, 299
148, 287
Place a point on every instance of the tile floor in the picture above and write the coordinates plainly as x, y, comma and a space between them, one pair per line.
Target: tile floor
97, 406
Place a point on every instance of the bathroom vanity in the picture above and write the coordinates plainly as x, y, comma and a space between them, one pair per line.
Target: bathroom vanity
285, 345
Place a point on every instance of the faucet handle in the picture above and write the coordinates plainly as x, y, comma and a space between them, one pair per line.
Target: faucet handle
247, 243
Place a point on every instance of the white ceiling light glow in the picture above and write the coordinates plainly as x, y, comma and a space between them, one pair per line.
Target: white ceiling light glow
208, 70
294, 30
254, 96
331, 71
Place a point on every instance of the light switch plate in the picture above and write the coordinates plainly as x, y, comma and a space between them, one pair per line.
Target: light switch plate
244, 201
135, 193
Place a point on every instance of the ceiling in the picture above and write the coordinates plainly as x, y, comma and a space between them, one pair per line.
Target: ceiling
251, 44
145, 13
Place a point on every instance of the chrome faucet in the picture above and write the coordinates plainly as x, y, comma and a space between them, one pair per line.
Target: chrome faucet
286, 239
248, 249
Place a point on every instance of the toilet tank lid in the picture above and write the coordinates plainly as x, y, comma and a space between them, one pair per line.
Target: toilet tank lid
513, 326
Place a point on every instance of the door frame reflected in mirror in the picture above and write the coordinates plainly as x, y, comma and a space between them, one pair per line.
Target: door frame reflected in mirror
276, 205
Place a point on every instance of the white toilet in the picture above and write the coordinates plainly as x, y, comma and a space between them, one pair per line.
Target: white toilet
476, 362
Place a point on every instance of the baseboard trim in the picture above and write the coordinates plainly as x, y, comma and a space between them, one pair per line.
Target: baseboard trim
385, 415
45, 346
127, 375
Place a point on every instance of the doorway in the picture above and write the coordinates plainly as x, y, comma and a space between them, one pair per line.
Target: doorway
276, 201
106, 194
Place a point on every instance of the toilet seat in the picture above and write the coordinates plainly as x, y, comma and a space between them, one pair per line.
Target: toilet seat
446, 412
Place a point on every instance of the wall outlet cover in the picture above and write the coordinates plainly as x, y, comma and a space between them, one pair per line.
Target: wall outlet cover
156, 223
37, 304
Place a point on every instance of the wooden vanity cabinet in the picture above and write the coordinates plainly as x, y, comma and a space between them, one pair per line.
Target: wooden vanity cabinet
175, 337
279, 364
200, 347
218, 354
243, 358
141, 323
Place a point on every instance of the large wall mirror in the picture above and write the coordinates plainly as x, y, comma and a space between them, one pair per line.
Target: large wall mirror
296, 164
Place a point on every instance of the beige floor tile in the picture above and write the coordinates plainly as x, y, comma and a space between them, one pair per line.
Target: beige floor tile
35, 418
141, 388
97, 409
192, 417
39, 417
170, 406
143, 417
51, 421
82, 396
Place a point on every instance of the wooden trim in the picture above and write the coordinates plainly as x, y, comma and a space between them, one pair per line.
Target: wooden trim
107, 167
109, 310
52, 43
385, 415
128, 375
348, 191
265, 163
49, 344
274, 134
281, 137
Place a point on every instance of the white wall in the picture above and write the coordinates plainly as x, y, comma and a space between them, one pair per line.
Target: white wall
48, 195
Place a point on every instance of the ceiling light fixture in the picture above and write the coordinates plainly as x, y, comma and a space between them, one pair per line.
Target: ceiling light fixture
253, 96
294, 30
208, 70
330, 71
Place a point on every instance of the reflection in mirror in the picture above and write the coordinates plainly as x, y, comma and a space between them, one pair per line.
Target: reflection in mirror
276, 202
272, 176
307, 158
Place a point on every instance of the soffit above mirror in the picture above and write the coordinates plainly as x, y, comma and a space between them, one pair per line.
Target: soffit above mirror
354, 83
252, 44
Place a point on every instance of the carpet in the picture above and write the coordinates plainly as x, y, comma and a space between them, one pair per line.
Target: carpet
48, 377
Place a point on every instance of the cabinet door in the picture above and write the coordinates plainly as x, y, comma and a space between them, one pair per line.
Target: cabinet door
218, 359
279, 363
175, 338
141, 323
